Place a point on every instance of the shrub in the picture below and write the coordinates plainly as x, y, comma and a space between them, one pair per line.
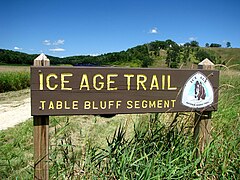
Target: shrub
13, 81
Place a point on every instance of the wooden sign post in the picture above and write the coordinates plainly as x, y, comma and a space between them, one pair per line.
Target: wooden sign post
41, 137
202, 121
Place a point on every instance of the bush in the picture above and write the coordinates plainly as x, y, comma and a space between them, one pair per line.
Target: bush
13, 81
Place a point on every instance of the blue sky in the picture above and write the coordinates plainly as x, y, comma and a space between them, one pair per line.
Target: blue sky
90, 27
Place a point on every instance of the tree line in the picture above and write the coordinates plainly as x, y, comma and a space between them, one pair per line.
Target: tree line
139, 56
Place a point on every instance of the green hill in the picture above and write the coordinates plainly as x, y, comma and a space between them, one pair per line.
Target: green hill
229, 56
134, 57
9, 57
157, 54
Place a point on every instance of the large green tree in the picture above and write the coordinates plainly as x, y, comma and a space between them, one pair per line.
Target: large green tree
194, 44
173, 56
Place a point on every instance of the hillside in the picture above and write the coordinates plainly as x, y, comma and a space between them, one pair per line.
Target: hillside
137, 57
18, 58
229, 56
158, 54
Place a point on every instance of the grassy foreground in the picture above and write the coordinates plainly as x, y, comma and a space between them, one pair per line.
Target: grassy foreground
148, 146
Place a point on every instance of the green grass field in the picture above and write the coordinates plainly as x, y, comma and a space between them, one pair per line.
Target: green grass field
147, 146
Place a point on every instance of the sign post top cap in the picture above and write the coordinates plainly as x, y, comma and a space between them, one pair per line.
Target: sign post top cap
206, 62
42, 57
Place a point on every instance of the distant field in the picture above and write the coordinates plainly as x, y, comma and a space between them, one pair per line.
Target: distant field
5, 68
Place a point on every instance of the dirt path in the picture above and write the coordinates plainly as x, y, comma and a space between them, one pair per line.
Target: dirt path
14, 108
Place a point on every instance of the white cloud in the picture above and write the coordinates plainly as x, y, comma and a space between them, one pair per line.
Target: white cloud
192, 38
59, 42
57, 50
17, 48
54, 45
47, 42
153, 31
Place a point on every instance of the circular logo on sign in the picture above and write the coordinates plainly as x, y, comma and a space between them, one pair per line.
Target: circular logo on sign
197, 91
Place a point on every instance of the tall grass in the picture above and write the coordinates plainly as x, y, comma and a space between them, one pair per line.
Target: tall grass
155, 152
13, 81
16, 152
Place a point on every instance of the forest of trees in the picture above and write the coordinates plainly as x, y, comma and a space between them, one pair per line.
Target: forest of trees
139, 56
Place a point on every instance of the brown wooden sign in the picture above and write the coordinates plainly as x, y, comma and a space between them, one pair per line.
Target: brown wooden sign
101, 90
